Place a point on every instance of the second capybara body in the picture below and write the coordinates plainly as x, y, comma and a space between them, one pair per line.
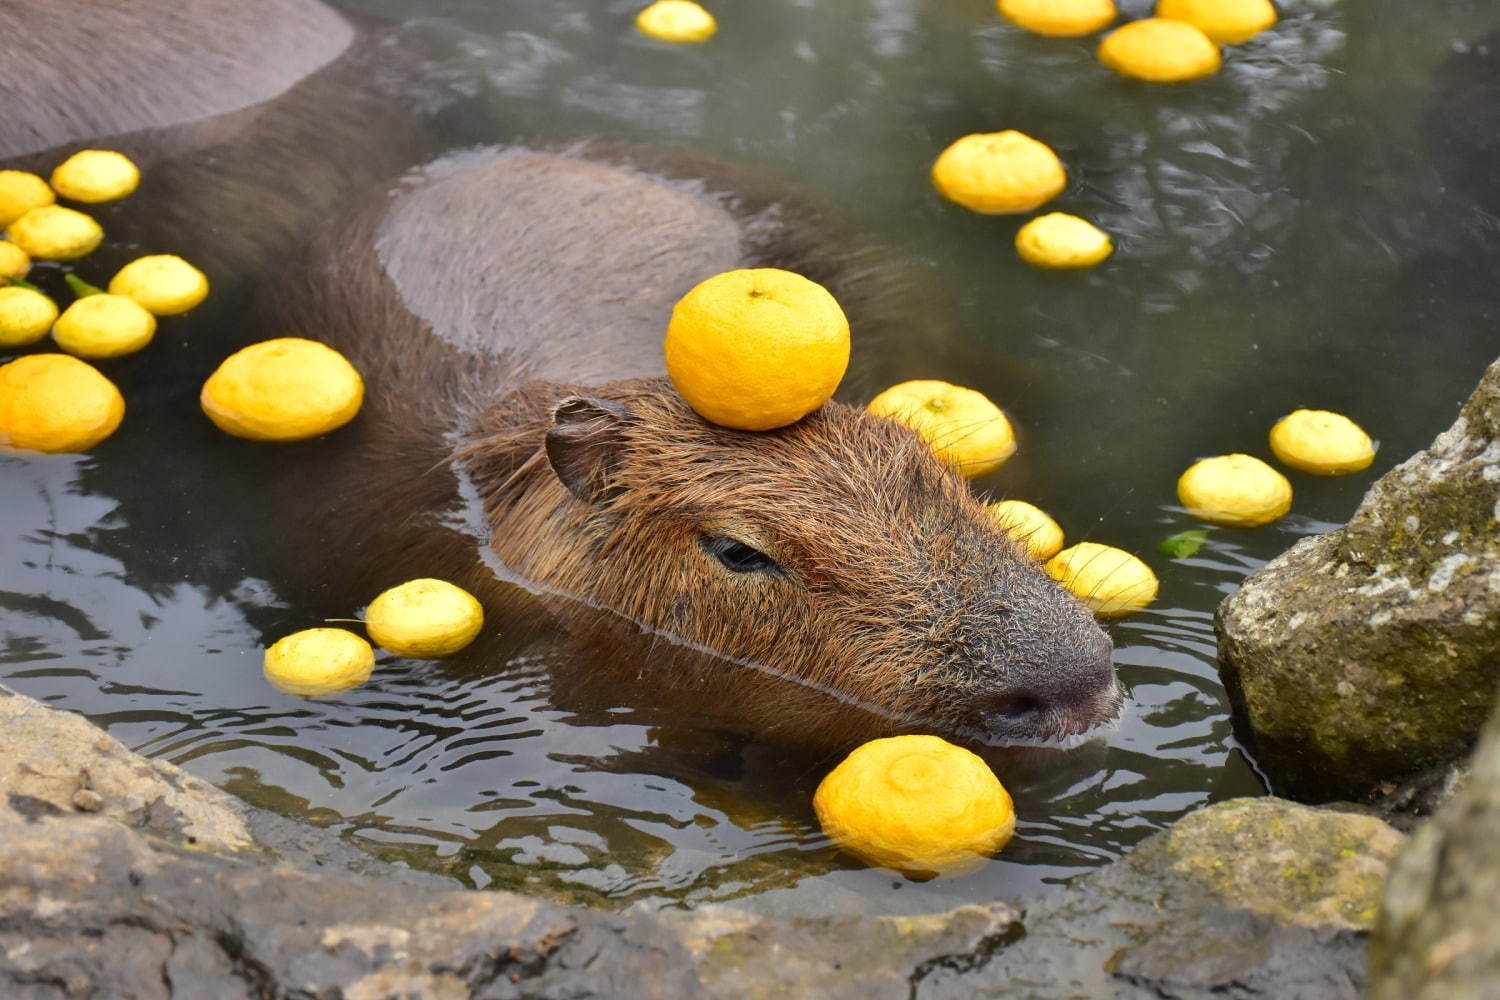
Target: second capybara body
250, 122
507, 308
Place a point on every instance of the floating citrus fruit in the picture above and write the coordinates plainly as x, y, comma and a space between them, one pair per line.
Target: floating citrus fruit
918, 804
53, 232
424, 619
1062, 242
676, 21
164, 283
1320, 442
1160, 51
104, 326
1030, 526
20, 192
319, 661
999, 172
95, 175
1227, 22
14, 262
757, 348
962, 426
1059, 18
54, 402
1237, 490
25, 316
1109, 581
286, 389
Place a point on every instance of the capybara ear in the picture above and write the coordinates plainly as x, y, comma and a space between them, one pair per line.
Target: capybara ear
584, 444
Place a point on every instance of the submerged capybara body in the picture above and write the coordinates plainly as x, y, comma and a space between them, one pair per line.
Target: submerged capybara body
826, 582
250, 121
507, 310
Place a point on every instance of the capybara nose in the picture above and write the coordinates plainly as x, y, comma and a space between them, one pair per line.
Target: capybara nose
1071, 694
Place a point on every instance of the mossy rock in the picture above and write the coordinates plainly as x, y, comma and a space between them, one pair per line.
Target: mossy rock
1299, 866
1369, 653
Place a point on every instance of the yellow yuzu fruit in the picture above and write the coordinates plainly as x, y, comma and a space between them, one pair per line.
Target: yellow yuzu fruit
1227, 22
104, 326
319, 661
285, 389
918, 804
757, 348
1030, 526
25, 316
164, 283
1059, 241
1322, 443
1109, 581
1237, 490
961, 425
95, 175
676, 21
56, 403
1159, 50
54, 232
14, 262
424, 619
999, 172
1059, 18
20, 192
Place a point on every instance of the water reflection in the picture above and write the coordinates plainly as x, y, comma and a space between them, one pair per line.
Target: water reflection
1285, 237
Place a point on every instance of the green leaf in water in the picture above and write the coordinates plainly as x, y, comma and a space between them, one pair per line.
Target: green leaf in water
81, 288
18, 282
1184, 543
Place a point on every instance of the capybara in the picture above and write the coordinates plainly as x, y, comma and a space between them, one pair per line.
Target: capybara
250, 121
507, 309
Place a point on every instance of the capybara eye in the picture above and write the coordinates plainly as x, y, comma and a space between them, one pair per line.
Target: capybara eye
736, 556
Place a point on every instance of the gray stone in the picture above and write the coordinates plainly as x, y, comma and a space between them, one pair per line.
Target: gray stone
1438, 937
91, 908
1248, 898
56, 762
1369, 653
1236, 953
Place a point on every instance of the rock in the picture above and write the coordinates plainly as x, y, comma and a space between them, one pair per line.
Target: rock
127, 877
1438, 937
1369, 653
56, 762
144, 919
147, 919
1297, 866
1239, 954
1248, 898
742, 956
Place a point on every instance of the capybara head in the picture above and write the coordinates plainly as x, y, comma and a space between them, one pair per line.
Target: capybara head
838, 551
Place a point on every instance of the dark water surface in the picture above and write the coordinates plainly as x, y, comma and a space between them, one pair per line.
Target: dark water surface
1302, 229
